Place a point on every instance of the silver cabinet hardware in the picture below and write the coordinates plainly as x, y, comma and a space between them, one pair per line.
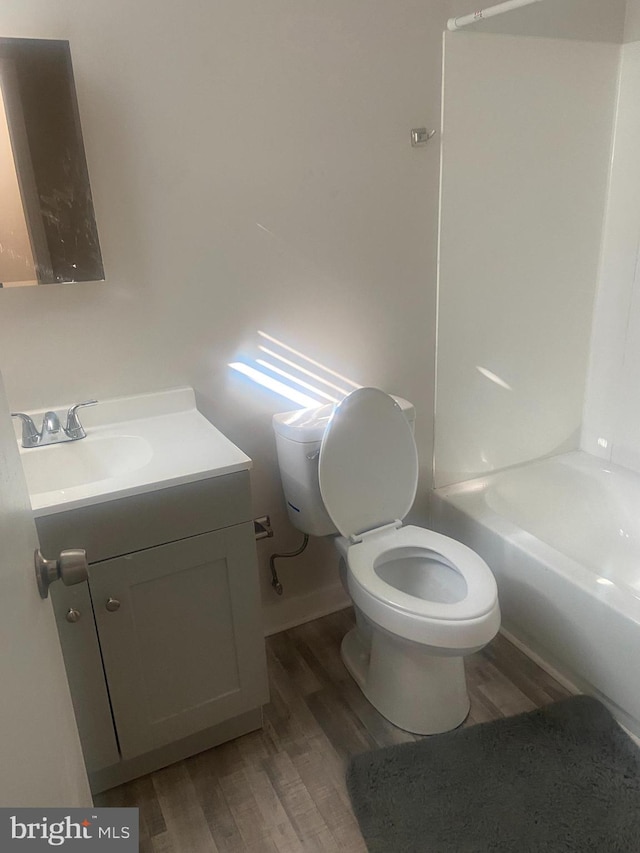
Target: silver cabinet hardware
72, 615
71, 567
112, 604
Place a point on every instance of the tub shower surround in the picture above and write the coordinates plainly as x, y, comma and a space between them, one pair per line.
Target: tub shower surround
562, 537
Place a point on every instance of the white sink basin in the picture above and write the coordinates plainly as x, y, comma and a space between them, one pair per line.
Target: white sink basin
79, 463
133, 445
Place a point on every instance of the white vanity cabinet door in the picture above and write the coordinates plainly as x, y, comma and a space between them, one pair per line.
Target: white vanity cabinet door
181, 636
83, 663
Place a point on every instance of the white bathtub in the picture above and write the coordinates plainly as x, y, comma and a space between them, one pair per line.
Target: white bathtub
562, 537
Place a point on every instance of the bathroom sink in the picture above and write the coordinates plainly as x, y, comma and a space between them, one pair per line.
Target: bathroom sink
79, 463
133, 445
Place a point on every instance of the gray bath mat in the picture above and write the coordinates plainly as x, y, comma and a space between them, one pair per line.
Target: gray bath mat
559, 779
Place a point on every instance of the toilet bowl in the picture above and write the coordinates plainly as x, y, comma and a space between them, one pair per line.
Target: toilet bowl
423, 601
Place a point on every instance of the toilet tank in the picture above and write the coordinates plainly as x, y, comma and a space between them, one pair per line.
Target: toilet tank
298, 438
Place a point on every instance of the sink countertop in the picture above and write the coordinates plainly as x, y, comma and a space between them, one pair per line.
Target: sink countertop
134, 445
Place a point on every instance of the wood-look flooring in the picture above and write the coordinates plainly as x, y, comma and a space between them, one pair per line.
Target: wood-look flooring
282, 788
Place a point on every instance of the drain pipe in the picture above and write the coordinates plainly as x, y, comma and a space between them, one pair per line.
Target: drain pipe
275, 583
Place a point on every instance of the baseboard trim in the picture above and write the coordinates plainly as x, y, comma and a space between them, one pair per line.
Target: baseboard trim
542, 663
623, 719
133, 768
289, 613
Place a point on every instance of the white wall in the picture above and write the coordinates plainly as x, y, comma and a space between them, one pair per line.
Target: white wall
251, 168
612, 408
526, 144
632, 22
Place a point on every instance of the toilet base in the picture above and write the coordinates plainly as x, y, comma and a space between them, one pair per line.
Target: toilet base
419, 692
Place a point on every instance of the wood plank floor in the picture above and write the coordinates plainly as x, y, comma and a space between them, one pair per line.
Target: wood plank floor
282, 788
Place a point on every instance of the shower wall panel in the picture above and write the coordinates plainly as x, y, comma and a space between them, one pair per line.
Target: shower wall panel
612, 408
527, 127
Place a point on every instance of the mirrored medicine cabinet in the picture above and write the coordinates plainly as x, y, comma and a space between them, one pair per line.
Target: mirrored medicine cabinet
48, 231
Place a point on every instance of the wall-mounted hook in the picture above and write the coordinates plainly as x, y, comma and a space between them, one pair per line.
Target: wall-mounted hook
420, 136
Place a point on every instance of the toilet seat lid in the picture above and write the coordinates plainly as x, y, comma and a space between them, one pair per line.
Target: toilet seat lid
368, 465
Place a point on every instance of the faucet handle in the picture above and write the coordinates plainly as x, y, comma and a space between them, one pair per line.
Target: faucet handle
30, 435
74, 428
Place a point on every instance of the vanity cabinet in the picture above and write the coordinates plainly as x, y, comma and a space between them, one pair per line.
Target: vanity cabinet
177, 636
163, 644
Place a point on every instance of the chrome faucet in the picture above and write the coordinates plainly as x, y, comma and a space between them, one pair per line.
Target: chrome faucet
52, 431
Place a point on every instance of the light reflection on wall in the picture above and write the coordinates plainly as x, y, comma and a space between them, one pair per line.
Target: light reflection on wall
493, 377
326, 385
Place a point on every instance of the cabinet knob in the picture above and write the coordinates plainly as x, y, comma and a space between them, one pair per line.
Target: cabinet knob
112, 604
72, 615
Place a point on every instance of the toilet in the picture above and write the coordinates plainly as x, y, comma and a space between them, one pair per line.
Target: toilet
423, 601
